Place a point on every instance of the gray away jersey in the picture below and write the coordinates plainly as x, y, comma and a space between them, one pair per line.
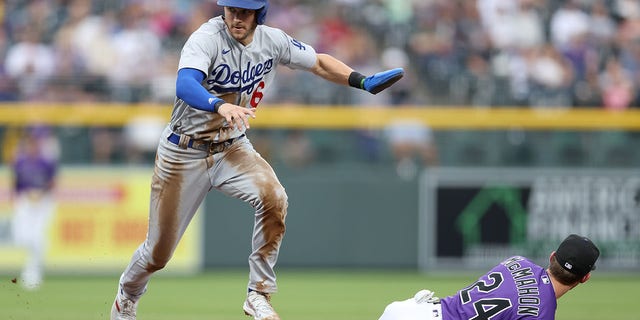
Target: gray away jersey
515, 289
236, 73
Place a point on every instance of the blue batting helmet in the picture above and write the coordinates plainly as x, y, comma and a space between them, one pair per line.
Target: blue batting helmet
260, 5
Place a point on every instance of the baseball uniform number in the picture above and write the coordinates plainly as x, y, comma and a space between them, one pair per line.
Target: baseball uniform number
257, 95
486, 308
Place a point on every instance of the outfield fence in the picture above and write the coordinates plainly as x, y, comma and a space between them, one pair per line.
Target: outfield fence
491, 194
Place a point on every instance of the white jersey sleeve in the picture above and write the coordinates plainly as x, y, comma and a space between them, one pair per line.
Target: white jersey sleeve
296, 54
201, 48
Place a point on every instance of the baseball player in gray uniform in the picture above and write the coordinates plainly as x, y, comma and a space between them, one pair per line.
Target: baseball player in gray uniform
224, 70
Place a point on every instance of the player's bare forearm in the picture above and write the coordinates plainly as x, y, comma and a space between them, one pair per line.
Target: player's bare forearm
332, 69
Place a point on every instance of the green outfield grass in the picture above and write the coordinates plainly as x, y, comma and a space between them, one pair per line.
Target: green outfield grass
304, 295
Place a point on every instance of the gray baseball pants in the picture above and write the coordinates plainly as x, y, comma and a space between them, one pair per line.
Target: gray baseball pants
181, 180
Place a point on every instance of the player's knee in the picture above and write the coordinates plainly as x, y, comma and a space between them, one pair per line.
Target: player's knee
274, 200
281, 199
390, 312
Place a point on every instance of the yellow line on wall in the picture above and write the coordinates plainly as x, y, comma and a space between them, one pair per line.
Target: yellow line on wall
339, 117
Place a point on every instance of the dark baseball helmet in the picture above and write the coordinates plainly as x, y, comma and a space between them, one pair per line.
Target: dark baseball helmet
260, 5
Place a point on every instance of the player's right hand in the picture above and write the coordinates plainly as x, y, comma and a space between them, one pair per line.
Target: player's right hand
382, 80
236, 116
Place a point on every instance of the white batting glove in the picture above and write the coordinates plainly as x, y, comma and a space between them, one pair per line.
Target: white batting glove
425, 296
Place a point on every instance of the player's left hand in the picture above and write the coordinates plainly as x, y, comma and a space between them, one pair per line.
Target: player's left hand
425, 295
236, 116
382, 80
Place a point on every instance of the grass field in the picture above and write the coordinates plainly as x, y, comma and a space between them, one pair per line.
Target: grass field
304, 295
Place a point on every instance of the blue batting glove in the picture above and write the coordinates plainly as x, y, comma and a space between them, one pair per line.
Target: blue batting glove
382, 80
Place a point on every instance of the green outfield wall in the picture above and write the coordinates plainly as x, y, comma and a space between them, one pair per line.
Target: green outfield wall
339, 216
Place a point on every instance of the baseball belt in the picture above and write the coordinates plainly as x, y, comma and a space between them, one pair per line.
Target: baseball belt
211, 147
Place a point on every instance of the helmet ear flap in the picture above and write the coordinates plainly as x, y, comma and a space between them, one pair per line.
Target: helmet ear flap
261, 15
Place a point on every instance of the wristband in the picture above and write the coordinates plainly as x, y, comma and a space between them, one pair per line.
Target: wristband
217, 104
356, 80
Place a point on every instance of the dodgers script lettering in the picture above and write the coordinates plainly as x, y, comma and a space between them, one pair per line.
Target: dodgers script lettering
223, 78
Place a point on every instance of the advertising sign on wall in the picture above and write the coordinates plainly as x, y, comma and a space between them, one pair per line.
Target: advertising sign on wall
476, 217
101, 218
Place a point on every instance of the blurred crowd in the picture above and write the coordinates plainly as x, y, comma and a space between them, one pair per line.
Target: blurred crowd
560, 53
484, 53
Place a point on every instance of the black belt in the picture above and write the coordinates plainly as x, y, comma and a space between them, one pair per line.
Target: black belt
204, 145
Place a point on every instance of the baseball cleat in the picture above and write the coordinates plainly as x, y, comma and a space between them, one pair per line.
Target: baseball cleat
31, 280
123, 309
258, 306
